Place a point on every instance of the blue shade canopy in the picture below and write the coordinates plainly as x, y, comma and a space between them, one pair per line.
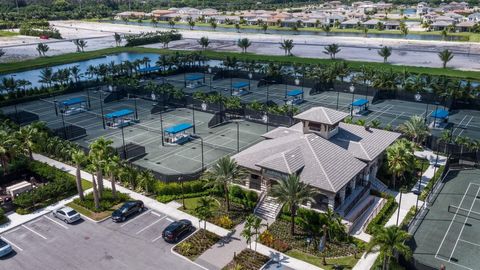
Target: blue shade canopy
149, 69
73, 101
294, 93
194, 77
240, 84
360, 102
178, 128
440, 114
119, 113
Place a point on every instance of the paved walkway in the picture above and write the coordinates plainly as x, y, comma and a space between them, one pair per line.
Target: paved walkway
430, 171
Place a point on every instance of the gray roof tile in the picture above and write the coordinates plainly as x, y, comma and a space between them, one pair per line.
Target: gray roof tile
322, 115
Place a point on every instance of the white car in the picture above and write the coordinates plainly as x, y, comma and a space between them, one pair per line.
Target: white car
66, 214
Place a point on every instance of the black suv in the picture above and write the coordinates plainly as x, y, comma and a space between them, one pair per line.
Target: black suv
127, 210
177, 229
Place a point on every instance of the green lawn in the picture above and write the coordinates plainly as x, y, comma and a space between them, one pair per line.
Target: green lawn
86, 184
7, 33
95, 216
74, 57
347, 262
192, 203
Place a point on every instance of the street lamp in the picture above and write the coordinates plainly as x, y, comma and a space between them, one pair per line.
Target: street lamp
210, 73
266, 113
418, 98
352, 90
193, 118
101, 109
180, 179
55, 106
297, 82
237, 122
161, 126
88, 99
135, 102
338, 96
64, 128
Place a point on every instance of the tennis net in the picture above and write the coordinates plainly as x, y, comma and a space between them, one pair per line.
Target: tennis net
463, 212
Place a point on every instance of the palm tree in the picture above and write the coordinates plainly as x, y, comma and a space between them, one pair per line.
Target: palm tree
204, 42
264, 28
332, 50
100, 152
2, 52
256, 224
287, 45
8, 148
147, 181
445, 138
118, 39
79, 158
171, 23
248, 234
81, 44
27, 136
244, 43
326, 28
400, 159
292, 192
415, 128
224, 172
75, 71
390, 240
365, 31
404, 29
94, 166
112, 169
462, 141
238, 27
204, 210
385, 52
445, 56
191, 24
42, 49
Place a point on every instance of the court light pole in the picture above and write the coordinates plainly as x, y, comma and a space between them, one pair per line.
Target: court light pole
136, 110
161, 128
88, 99
180, 179
250, 76
352, 90
101, 109
64, 128
201, 150
123, 141
193, 118
16, 112
210, 75
55, 105
419, 185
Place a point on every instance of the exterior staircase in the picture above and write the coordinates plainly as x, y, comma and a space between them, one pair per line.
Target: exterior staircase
268, 208
379, 185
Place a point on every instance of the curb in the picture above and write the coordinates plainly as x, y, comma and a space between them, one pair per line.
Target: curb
183, 257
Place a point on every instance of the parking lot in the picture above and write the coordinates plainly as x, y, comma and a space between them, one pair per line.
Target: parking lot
47, 243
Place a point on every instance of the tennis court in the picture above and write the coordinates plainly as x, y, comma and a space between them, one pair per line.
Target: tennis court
449, 234
165, 159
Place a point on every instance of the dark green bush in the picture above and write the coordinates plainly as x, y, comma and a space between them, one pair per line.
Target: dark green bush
196, 186
106, 203
169, 198
383, 216
152, 37
3, 218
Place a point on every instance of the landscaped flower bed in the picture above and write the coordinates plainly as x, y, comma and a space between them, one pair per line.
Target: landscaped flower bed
107, 204
247, 260
283, 241
197, 244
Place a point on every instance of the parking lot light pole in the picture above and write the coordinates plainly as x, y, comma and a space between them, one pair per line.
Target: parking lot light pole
55, 105
352, 90
201, 149
250, 76
180, 179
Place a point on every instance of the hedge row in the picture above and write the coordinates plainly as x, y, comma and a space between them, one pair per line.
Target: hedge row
383, 216
152, 37
405, 222
106, 203
60, 186
431, 183
50, 32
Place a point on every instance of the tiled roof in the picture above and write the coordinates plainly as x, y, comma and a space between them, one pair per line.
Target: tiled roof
322, 115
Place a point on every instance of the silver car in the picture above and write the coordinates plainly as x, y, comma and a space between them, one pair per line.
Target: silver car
67, 214
5, 248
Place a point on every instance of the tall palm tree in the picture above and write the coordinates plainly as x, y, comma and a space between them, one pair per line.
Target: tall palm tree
93, 167
118, 39
223, 173
326, 28
404, 29
390, 240
287, 45
265, 28
112, 169
191, 24
415, 128
171, 23
79, 158
46, 76
462, 141
42, 49
204, 42
244, 43
385, 52
445, 138
204, 210
8, 148
100, 151
27, 136
400, 159
292, 192
332, 50
445, 56
81, 44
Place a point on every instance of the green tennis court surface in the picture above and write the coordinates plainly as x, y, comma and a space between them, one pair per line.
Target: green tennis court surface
449, 234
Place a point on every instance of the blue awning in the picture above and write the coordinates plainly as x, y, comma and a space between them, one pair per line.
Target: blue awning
240, 84
294, 93
360, 102
178, 128
150, 69
440, 114
119, 113
194, 77
73, 101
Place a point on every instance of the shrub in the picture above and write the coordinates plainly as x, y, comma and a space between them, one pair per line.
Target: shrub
169, 198
431, 183
224, 222
106, 203
266, 238
152, 37
3, 218
383, 216
280, 245
247, 198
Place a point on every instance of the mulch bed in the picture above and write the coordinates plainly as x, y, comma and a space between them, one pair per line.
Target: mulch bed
247, 260
197, 244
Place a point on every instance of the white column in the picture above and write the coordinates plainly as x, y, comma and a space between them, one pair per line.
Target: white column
354, 183
342, 195
331, 202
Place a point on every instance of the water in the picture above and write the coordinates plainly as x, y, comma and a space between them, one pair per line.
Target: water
34, 74
300, 32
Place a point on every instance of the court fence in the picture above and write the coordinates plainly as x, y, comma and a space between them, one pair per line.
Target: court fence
131, 152
22, 117
70, 132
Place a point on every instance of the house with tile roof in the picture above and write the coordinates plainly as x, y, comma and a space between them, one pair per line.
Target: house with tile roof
338, 159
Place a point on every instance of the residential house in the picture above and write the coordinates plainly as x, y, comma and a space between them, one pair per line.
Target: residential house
349, 24
464, 26
441, 25
339, 160
371, 24
474, 17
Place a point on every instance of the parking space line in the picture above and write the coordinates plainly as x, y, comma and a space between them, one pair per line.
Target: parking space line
11, 243
155, 239
156, 214
56, 222
128, 222
37, 233
169, 219
150, 225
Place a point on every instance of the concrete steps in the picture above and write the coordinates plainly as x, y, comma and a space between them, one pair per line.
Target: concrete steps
268, 208
378, 185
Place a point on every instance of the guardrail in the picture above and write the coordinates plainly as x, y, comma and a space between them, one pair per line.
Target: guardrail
262, 196
374, 213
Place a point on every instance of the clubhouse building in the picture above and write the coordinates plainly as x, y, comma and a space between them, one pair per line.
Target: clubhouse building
340, 160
